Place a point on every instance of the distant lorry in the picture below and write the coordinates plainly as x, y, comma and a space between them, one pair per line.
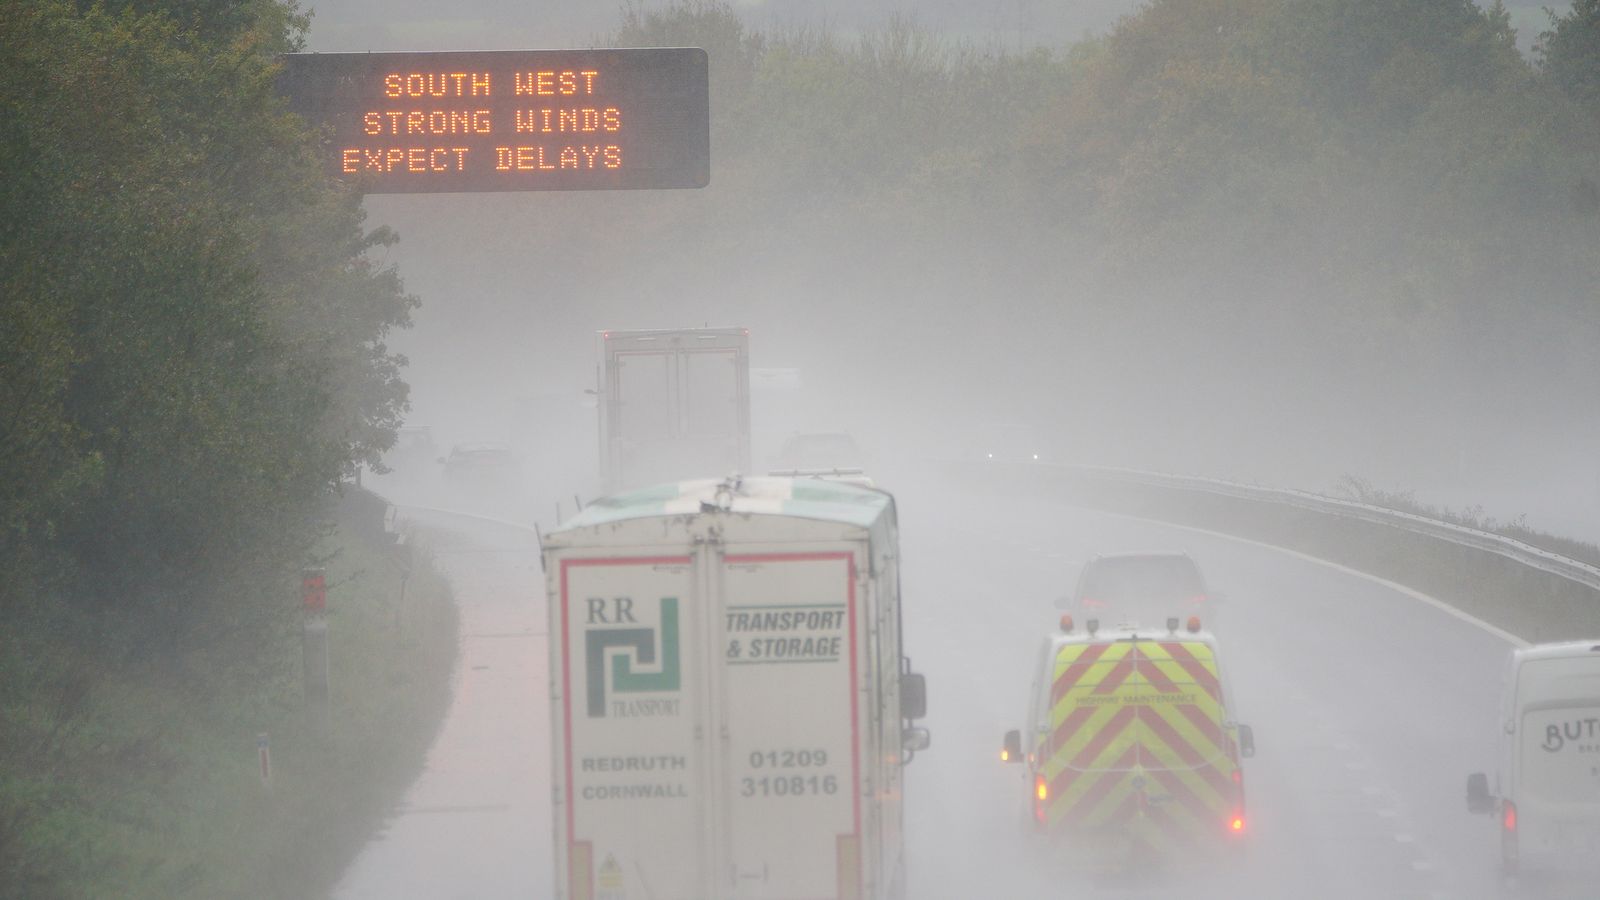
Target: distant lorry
1546, 792
731, 709
674, 404
1131, 753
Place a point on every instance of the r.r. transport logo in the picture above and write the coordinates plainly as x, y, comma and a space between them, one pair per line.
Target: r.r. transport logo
628, 647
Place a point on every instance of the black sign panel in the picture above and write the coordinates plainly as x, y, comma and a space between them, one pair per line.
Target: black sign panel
508, 120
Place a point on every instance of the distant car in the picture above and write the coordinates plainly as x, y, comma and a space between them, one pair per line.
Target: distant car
1005, 443
821, 451
467, 460
1142, 588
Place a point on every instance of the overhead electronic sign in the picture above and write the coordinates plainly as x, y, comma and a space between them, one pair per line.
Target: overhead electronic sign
508, 120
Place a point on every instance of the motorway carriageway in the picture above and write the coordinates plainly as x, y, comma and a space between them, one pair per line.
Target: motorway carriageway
1369, 708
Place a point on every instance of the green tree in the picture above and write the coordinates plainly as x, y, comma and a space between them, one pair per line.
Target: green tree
198, 353
1569, 53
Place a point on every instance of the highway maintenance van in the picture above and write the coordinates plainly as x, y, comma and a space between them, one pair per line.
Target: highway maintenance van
1131, 750
732, 711
1546, 793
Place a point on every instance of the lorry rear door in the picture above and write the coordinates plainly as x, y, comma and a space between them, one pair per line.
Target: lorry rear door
790, 709
630, 758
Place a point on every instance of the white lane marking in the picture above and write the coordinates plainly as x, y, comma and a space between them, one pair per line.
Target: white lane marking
1414, 594
1405, 839
1388, 813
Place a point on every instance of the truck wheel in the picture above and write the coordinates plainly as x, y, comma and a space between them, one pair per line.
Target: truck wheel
1510, 861
898, 891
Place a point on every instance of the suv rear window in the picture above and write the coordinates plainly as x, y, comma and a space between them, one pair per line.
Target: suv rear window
1140, 579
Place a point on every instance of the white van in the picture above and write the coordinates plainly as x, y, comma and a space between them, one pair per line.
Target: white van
1546, 793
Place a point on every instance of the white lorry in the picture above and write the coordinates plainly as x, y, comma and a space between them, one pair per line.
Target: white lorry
674, 404
731, 708
1546, 796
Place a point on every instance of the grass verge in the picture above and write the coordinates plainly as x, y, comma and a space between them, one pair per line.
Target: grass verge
129, 774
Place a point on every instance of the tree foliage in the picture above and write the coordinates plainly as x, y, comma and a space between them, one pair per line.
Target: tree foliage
194, 332
1380, 195
1570, 52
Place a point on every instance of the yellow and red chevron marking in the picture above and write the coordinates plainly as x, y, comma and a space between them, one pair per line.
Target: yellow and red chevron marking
1137, 741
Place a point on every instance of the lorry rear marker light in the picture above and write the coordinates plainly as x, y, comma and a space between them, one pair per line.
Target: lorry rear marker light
1066, 622
1194, 624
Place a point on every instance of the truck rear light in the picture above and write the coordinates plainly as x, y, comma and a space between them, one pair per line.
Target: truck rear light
1066, 623
1508, 816
1194, 624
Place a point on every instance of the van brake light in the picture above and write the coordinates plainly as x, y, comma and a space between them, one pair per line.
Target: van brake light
1508, 818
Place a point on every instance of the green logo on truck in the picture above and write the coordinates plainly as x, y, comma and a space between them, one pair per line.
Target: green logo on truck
637, 646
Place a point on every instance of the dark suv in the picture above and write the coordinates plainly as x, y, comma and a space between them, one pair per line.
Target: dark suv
1142, 588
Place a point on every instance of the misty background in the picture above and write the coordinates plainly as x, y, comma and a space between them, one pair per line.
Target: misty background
1275, 241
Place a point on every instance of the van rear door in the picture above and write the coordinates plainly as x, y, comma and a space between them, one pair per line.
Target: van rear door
1558, 746
1140, 740
1561, 759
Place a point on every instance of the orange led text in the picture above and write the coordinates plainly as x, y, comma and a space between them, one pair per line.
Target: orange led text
403, 159
455, 121
529, 159
436, 84
552, 83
